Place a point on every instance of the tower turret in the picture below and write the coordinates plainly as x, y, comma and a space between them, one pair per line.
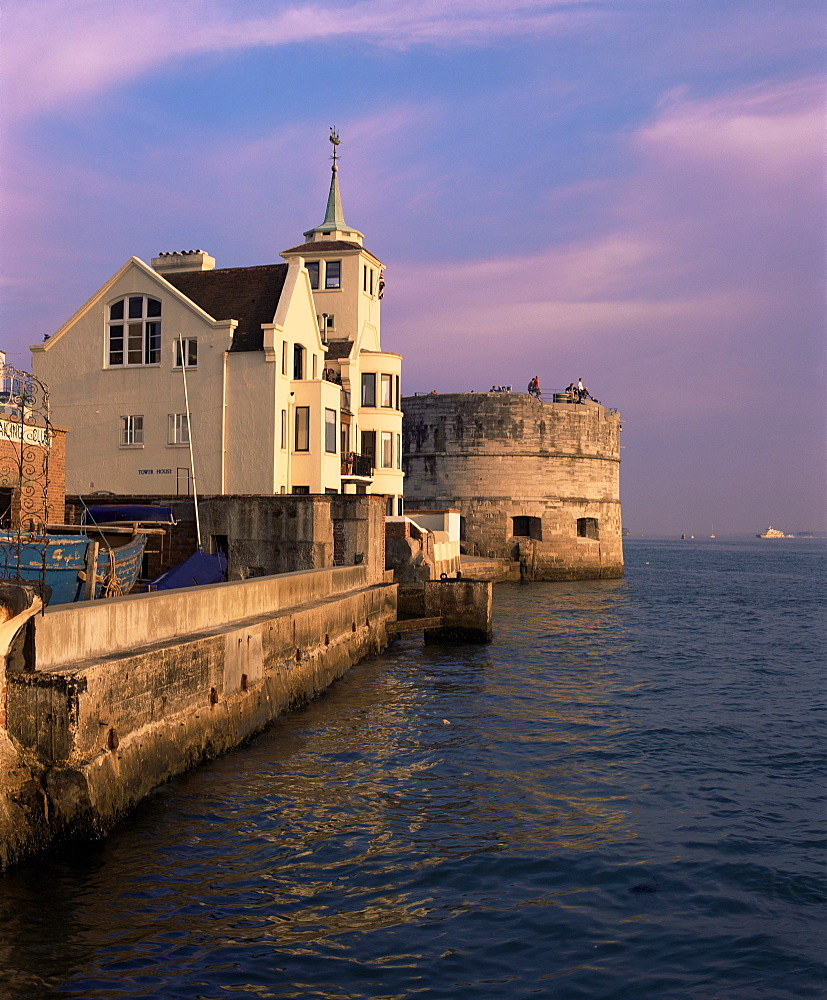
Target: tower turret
345, 277
334, 225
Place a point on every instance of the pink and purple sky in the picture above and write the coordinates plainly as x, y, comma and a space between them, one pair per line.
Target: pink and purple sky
631, 191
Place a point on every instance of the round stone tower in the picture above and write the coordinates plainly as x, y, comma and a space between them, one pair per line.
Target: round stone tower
536, 482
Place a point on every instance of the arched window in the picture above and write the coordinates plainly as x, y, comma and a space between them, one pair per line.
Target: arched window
134, 331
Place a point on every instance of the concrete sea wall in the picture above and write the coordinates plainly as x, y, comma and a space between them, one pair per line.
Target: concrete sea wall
105, 701
534, 482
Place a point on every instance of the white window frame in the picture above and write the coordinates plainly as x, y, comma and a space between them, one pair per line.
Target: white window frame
178, 429
386, 391
369, 389
190, 348
337, 281
330, 435
132, 430
145, 328
301, 436
386, 450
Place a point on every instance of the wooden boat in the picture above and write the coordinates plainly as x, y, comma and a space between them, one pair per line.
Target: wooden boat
63, 562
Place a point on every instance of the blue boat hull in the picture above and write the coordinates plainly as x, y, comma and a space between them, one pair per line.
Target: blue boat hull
62, 558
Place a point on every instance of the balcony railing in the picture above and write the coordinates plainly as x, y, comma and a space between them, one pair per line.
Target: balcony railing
357, 465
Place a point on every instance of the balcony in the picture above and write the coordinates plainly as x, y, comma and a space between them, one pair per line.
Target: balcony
357, 467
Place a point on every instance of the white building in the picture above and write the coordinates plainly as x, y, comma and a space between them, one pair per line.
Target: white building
262, 351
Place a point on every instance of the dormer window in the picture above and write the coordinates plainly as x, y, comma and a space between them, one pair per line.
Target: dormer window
333, 274
134, 331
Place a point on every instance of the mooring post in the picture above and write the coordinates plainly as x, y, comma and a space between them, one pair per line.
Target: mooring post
465, 607
91, 570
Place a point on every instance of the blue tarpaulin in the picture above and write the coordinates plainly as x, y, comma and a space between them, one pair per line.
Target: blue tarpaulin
127, 512
200, 568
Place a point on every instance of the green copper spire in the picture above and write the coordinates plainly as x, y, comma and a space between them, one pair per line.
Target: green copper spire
334, 217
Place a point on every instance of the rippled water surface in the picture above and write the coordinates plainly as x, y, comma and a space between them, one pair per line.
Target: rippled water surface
619, 798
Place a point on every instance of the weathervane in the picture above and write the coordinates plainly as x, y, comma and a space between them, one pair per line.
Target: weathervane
334, 138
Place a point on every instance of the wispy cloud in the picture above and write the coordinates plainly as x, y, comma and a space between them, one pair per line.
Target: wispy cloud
705, 244
58, 51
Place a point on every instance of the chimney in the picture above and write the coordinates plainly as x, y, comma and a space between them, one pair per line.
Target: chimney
183, 260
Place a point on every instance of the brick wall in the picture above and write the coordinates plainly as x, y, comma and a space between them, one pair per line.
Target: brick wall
39, 485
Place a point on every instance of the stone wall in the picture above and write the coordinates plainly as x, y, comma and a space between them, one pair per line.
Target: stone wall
265, 535
106, 700
535, 482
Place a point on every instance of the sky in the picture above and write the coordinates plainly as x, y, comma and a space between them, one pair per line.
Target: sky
627, 191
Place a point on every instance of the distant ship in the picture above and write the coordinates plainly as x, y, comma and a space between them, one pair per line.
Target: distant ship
771, 533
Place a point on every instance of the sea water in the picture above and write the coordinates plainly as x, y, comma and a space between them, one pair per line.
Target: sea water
620, 797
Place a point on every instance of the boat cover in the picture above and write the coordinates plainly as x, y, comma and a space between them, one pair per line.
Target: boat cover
107, 514
200, 568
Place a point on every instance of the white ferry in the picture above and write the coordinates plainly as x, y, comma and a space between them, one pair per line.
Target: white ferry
771, 533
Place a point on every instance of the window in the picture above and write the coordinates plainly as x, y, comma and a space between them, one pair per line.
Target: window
368, 389
367, 279
387, 390
369, 446
302, 429
284, 357
399, 451
330, 430
284, 428
302, 490
134, 331
344, 434
587, 528
389, 505
190, 352
333, 274
387, 450
16, 389
298, 361
527, 527
313, 270
399, 509
315, 359
132, 430
179, 429
396, 379
370, 275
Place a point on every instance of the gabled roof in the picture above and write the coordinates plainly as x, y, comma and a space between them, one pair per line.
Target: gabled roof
322, 246
249, 295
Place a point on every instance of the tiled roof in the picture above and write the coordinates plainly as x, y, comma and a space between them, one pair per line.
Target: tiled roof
338, 349
322, 246
247, 294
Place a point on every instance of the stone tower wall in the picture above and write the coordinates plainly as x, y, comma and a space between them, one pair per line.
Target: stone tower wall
500, 456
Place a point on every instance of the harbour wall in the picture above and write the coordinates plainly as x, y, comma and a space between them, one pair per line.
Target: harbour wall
535, 482
105, 701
